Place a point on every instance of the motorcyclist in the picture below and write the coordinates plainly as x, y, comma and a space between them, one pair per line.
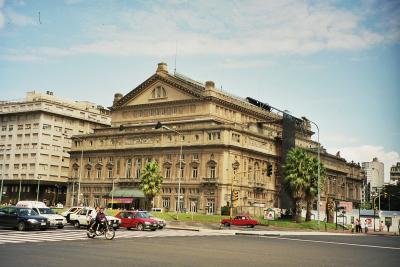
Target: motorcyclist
92, 218
100, 216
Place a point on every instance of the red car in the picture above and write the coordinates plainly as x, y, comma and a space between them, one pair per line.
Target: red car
240, 220
139, 220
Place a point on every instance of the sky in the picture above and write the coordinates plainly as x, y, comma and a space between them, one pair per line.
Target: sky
334, 62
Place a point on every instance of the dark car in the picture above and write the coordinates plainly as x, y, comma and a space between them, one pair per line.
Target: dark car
22, 219
139, 220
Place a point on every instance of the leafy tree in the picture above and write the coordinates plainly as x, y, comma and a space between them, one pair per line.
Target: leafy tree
150, 181
296, 172
312, 183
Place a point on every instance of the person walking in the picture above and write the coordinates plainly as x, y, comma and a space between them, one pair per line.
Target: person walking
357, 225
362, 226
366, 226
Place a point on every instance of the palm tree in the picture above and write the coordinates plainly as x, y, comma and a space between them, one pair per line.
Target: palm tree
312, 184
150, 181
296, 171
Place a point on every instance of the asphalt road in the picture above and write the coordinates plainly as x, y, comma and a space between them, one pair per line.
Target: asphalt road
208, 251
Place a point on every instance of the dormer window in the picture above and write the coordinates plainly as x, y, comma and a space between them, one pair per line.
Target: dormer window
158, 92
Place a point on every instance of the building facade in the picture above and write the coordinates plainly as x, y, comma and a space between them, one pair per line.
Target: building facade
395, 173
374, 171
228, 144
35, 138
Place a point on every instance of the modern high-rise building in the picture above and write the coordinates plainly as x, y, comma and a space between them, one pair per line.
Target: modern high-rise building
395, 173
374, 171
35, 138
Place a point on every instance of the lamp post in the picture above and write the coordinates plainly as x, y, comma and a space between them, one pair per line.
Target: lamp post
19, 191
319, 173
3, 169
158, 126
112, 190
38, 188
80, 173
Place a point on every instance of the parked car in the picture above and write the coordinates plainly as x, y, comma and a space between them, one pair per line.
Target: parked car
137, 219
22, 219
56, 220
81, 218
161, 222
240, 220
68, 213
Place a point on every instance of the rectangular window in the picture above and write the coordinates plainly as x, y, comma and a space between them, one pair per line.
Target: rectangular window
167, 172
138, 168
182, 172
98, 173
194, 172
110, 171
128, 168
118, 167
212, 172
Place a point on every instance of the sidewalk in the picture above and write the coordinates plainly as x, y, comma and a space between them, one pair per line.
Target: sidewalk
257, 231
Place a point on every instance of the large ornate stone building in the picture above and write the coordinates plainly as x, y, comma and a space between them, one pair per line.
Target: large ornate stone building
228, 143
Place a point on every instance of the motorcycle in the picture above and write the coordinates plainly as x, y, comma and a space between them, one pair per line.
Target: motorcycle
103, 228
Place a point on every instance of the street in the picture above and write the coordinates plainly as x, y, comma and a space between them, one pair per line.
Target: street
190, 248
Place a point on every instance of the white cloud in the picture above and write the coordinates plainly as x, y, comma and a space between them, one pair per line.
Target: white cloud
367, 153
230, 28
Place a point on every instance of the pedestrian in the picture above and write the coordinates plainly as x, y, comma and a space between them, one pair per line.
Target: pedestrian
381, 226
366, 226
357, 225
362, 226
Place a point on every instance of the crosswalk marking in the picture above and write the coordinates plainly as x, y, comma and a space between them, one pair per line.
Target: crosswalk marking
15, 237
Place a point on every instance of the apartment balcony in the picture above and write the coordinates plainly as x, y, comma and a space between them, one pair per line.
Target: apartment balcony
209, 181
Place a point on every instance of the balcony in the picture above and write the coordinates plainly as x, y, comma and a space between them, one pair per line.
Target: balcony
210, 181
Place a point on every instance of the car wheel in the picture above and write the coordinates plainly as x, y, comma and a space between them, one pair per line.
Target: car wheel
43, 229
251, 225
77, 225
160, 227
154, 229
140, 227
21, 226
128, 228
226, 224
60, 227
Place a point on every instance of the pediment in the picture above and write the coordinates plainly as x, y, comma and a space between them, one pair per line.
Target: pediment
158, 89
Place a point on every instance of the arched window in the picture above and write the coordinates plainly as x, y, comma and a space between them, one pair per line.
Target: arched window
158, 92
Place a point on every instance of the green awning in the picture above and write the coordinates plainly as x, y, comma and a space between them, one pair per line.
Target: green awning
127, 192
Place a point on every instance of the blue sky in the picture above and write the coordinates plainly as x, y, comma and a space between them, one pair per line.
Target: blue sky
335, 62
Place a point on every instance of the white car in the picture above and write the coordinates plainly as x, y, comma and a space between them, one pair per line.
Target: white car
68, 212
56, 220
81, 218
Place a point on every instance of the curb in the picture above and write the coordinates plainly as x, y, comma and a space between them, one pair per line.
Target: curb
182, 228
248, 234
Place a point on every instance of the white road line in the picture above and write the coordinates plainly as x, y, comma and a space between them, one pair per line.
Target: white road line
332, 242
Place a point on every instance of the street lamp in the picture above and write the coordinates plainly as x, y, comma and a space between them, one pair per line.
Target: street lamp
319, 173
2, 174
80, 173
20, 185
38, 187
158, 126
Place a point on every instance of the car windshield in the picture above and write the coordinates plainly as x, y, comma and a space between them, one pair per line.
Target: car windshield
27, 212
46, 211
142, 215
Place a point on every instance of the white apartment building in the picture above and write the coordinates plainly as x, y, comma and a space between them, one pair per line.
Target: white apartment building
374, 171
35, 138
